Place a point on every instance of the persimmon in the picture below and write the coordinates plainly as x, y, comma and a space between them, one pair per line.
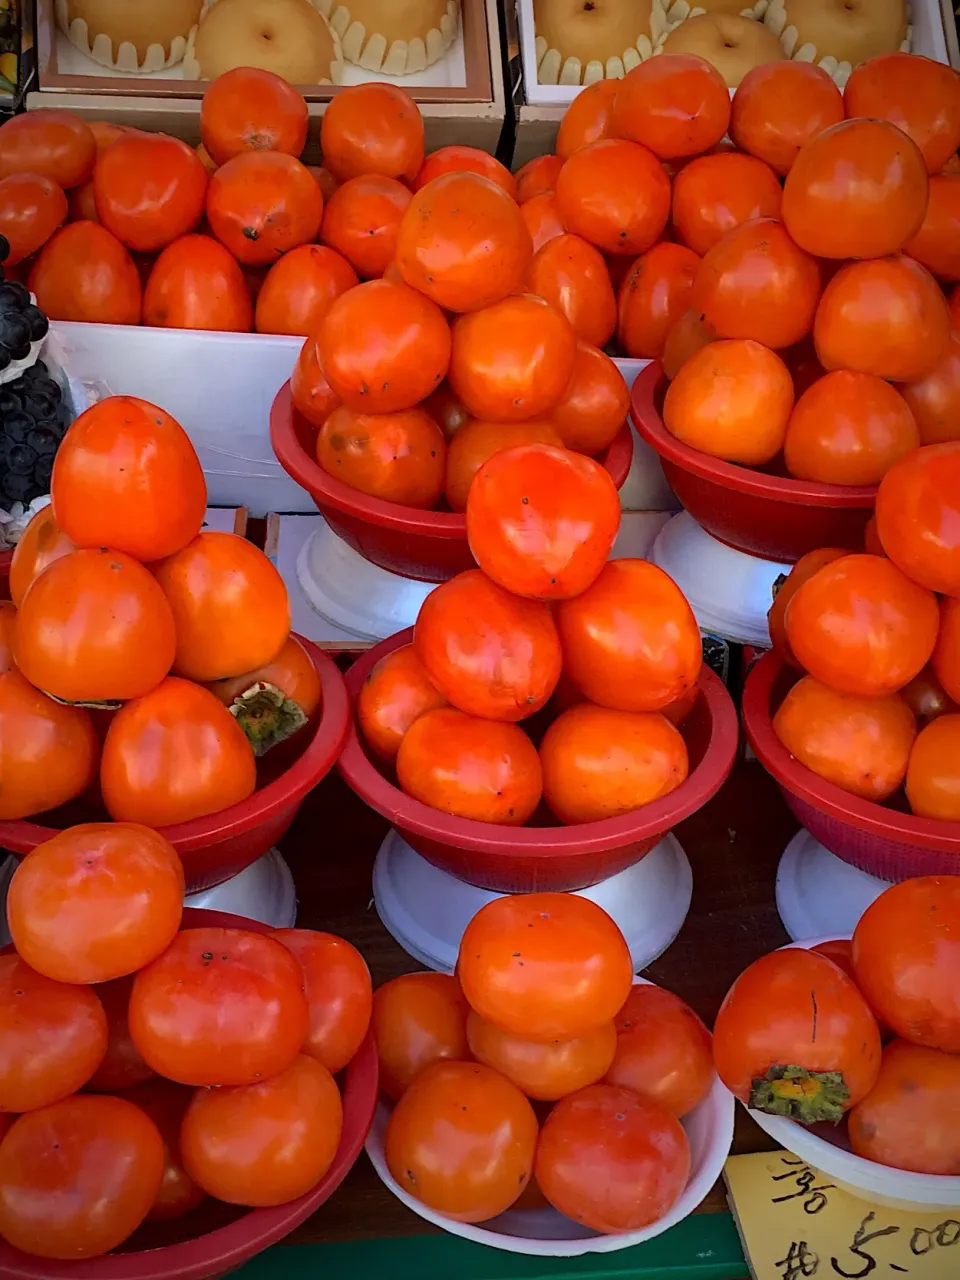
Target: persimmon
918, 95
542, 219
630, 641
52, 143
779, 106
489, 653
732, 400
362, 221
937, 243
276, 700
900, 1123
861, 626
106, 132
715, 193
249, 109
458, 159
8, 624
325, 180
261, 204
918, 516
886, 317
512, 360
84, 273
946, 656
933, 775
173, 755
545, 1072
541, 520
229, 604
196, 284
372, 128
62, 644
477, 441
418, 1018
127, 477
801, 572
31, 209
955, 307
82, 203
537, 177
150, 189
300, 289
655, 293
312, 394
399, 457
663, 1051
934, 399
42, 542
925, 695
463, 262
122, 1065
339, 994
856, 190
446, 410
615, 194
572, 276
677, 106
848, 428
396, 692
588, 118
166, 1104
595, 404
48, 752
684, 339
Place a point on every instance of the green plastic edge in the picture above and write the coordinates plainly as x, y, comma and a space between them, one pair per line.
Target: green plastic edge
703, 1247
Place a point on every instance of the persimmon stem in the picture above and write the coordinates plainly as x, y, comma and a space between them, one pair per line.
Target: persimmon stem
267, 716
808, 1097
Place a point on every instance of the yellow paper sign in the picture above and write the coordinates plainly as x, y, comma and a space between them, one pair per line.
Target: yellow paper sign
796, 1224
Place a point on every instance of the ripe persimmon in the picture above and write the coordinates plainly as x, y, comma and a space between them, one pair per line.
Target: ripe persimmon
361, 221
84, 273
933, 774
312, 394
396, 692
925, 695
664, 1051
572, 276
655, 293
715, 193
300, 289
542, 219
8, 623
372, 128
446, 410
594, 405
778, 106
937, 243
588, 118
537, 177
31, 209
196, 283
677, 106
946, 656
918, 516
615, 194
267, 720
53, 143
459, 159
399, 457
42, 542
249, 109
150, 189
803, 570
48, 752
476, 441
918, 95
261, 204
684, 339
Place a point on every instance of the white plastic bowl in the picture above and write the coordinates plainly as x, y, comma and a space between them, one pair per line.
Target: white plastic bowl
819, 895
547, 1233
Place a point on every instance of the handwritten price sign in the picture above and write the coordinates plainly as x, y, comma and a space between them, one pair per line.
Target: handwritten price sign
796, 1224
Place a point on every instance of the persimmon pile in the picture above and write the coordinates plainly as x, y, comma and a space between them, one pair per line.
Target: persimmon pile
539, 1074
148, 662
863, 1033
164, 1063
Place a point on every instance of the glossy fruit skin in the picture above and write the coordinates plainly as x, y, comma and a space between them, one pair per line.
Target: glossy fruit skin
731, 399
856, 190
95, 902
127, 477
572, 276
484, 770
907, 1122
121, 1067
150, 189
96, 1189
173, 755
477, 441
796, 1008
848, 428
489, 653
339, 994
84, 273
906, 949
934, 400
41, 543
399, 457
663, 1051
300, 289
197, 284
313, 397
512, 360
936, 243
917, 510
462, 1140
31, 209
395, 694
545, 1072
463, 261
265, 1143
361, 222
219, 1007
372, 128
446, 410
537, 177
779, 106
614, 194
55, 144
804, 569
859, 743
48, 752
291, 671
588, 118
541, 521
918, 95
542, 219
166, 1103
61, 645
677, 107
716, 193
654, 295
684, 339
862, 627
612, 1160
383, 347
52, 1037
460, 159
229, 604
261, 204
249, 109
576, 972
933, 776
946, 656
886, 317
925, 695
594, 405
418, 1019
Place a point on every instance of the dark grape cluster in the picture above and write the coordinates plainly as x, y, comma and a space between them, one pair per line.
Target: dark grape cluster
20, 321
33, 421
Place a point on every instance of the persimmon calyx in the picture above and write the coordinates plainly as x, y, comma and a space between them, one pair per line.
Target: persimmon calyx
267, 716
809, 1097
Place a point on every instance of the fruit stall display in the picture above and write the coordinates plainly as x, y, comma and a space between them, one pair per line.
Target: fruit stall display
785, 259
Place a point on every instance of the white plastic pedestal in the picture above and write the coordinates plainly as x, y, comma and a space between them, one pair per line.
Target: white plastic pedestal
427, 909
730, 592
819, 895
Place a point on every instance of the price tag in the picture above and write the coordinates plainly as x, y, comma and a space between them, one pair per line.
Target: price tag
795, 1224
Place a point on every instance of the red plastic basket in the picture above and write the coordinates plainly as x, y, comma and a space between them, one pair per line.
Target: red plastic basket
883, 842
765, 515
430, 546
5, 559
222, 845
525, 859
199, 1246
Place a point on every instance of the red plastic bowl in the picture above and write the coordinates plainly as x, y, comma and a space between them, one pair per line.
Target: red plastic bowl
200, 1246
525, 859
217, 847
883, 842
5, 559
765, 515
430, 546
